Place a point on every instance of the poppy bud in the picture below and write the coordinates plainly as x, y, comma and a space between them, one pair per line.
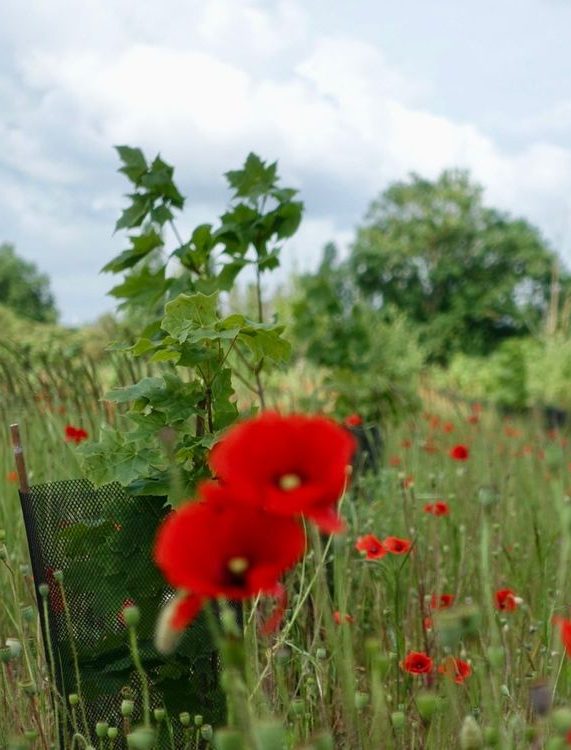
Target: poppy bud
198, 720
101, 729
44, 590
206, 732
141, 738
131, 616
127, 708
397, 719
427, 705
184, 718
58, 576
361, 700
471, 737
112, 733
73, 699
159, 714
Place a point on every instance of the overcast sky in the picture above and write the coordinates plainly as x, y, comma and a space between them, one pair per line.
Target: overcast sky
346, 95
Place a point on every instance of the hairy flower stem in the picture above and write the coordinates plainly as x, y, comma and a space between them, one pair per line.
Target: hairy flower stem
52, 664
135, 655
73, 648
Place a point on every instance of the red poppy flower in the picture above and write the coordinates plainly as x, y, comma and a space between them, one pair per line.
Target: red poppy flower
456, 669
564, 632
505, 600
439, 508
371, 547
353, 420
222, 547
473, 419
459, 452
12, 476
339, 618
443, 601
448, 427
417, 662
395, 461
397, 546
75, 434
406, 443
288, 465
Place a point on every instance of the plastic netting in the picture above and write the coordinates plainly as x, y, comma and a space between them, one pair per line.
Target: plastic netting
101, 540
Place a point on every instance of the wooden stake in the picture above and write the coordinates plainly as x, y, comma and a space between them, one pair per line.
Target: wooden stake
19, 457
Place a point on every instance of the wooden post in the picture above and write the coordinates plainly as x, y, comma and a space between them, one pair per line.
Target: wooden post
19, 457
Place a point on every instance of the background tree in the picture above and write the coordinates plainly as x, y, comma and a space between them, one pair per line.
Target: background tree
24, 289
469, 275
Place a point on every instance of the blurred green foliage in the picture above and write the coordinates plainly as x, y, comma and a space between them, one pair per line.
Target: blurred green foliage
24, 289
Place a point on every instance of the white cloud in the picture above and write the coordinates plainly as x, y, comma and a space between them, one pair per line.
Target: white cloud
206, 83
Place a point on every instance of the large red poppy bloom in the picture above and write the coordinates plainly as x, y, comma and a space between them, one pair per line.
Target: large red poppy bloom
459, 452
221, 547
371, 547
504, 599
417, 662
456, 669
397, 546
289, 465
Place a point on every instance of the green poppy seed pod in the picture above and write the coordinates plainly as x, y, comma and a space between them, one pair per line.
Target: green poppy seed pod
361, 700
198, 720
5, 655
101, 729
297, 707
561, 720
15, 647
159, 714
184, 718
322, 741
127, 708
28, 613
229, 739
491, 736
471, 737
132, 616
321, 654
58, 576
112, 733
73, 699
206, 732
141, 738
496, 656
397, 719
44, 590
427, 704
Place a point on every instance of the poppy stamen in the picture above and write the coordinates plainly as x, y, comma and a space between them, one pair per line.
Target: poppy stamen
238, 565
288, 482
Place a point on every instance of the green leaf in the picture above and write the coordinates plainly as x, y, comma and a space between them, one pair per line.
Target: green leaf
142, 288
189, 312
134, 162
266, 342
134, 214
142, 245
254, 179
145, 388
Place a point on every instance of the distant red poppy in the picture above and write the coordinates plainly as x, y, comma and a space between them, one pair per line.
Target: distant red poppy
417, 662
395, 461
406, 443
459, 452
448, 427
408, 482
339, 618
429, 446
397, 546
564, 632
12, 476
504, 600
353, 420
75, 434
442, 601
371, 547
456, 669
439, 508
473, 419
288, 465
222, 547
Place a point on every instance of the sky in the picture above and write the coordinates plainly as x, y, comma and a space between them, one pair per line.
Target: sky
347, 96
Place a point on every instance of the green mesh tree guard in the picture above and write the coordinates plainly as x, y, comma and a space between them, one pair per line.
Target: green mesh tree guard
101, 539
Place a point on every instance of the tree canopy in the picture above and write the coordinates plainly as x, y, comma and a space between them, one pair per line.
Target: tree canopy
470, 276
24, 289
